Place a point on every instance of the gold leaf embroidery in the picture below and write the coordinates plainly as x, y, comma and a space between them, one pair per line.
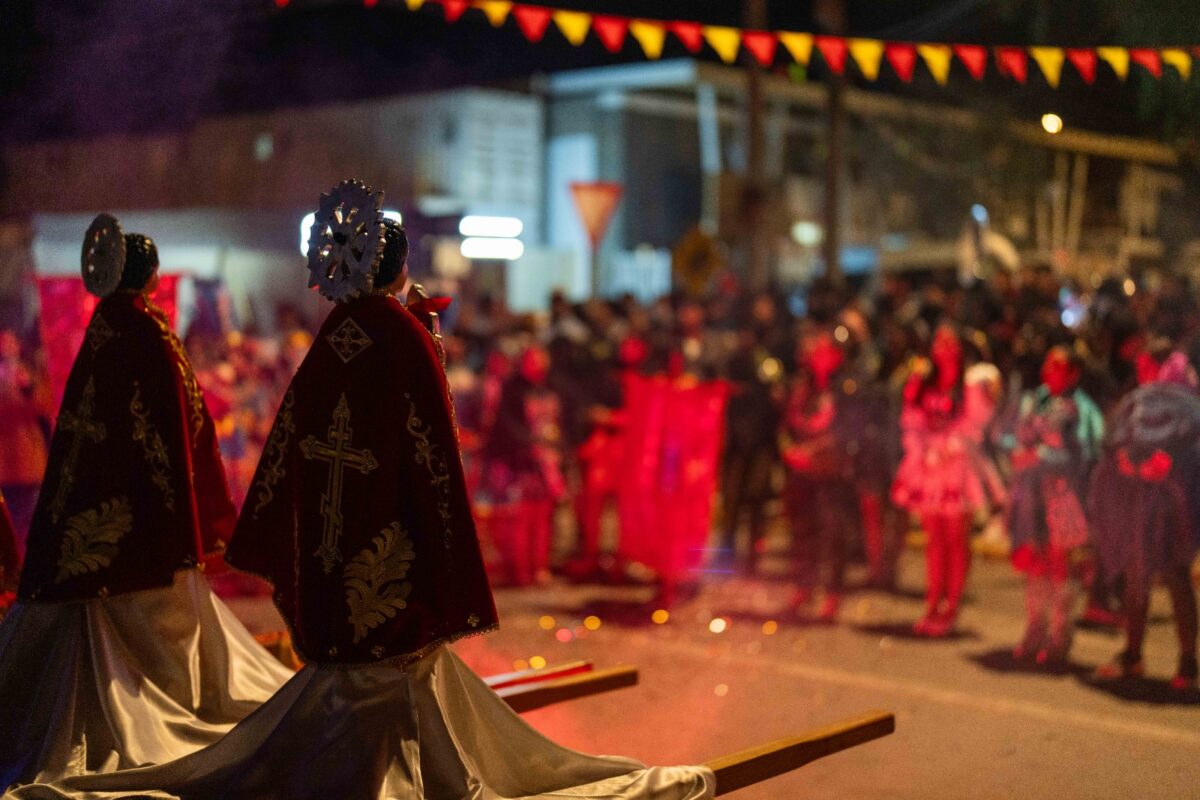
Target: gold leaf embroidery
83, 427
152, 444
91, 538
99, 333
373, 589
429, 454
275, 453
190, 385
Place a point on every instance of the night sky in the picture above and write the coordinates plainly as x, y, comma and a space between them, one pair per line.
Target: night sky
87, 67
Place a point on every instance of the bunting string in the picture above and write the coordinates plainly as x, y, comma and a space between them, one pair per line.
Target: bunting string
867, 55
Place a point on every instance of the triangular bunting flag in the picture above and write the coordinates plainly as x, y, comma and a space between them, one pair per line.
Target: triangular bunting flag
867, 53
414, 5
610, 31
1117, 58
973, 57
454, 9
903, 58
1180, 60
690, 34
533, 21
495, 10
370, 3
1013, 63
761, 45
574, 25
799, 45
1050, 60
725, 41
1148, 59
937, 60
833, 50
650, 35
1084, 62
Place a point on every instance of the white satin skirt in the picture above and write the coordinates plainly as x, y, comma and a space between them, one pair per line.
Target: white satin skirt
137, 679
433, 730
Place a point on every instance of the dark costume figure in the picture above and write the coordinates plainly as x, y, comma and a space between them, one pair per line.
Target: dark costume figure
117, 654
521, 478
10, 558
1144, 514
945, 477
1053, 447
821, 497
359, 517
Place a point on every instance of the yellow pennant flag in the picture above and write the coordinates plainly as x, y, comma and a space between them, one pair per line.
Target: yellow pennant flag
867, 53
650, 35
574, 25
1180, 60
414, 5
725, 41
800, 45
1050, 59
937, 59
1117, 58
495, 10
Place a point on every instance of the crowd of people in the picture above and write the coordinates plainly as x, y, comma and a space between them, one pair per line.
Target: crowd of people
1005, 408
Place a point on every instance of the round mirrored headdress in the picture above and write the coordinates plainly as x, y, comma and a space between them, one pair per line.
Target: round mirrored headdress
346, 241
103, 257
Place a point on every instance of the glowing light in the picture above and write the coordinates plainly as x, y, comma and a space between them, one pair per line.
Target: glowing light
980, 214
492, 249
841, 333
491, 227
660, 616
592, 623
770, 627
721, 690
546, 623
807, 234
1130, 287
537, 662
718, 625
564, 635
520, 664
1052, 123
307, 223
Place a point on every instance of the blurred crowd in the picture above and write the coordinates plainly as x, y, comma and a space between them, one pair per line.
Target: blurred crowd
845, 415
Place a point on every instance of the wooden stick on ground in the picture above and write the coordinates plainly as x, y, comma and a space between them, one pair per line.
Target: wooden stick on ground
528, 697
507, 679
758, 764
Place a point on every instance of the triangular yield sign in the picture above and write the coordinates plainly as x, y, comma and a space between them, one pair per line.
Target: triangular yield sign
596, 202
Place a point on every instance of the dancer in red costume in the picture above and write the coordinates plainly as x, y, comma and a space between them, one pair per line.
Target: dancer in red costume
359, 516
116, 653
945, 477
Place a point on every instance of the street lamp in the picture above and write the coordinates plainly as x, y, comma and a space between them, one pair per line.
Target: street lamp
1052, 123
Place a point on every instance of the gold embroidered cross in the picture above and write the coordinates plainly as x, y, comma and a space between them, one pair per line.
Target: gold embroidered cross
85, 428
338, 452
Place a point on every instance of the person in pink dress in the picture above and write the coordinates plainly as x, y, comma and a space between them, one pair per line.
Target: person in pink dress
945, 478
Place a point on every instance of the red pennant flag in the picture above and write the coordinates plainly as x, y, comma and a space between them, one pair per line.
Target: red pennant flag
1084, 62
1148, 59
973, 57
833, 50
691, 34
455, 9
611, 32
370, 3
761, 45
533, 21
1013, 62
903, 58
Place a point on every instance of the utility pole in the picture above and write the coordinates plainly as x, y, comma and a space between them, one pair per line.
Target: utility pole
754, 193
831, 14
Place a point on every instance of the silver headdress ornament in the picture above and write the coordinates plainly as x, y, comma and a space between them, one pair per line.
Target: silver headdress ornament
345, 244
103, 257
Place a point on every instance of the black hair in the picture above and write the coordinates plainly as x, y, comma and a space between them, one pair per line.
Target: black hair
395, 254
141, 259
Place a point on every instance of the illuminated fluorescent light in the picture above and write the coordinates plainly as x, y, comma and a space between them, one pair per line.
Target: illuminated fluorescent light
491, 227
307, 223
492, 249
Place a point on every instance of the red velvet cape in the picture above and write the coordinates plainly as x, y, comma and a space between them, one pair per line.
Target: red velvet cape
358, 512
134, 489
10, 556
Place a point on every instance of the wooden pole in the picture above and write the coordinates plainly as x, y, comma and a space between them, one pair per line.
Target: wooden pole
832, 14
528, 697
758, 245
757, 764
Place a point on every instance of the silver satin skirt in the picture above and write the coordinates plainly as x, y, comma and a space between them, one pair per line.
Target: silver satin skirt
132, 680
433, 730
